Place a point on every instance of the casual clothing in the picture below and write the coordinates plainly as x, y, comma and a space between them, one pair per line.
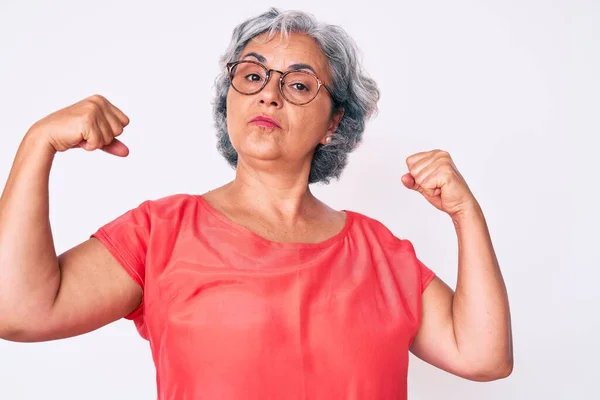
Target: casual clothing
231, 315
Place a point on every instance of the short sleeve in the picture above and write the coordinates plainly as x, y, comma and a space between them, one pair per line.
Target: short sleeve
426, 274
127, 237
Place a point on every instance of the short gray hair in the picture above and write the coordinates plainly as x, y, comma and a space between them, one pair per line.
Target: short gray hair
353, 90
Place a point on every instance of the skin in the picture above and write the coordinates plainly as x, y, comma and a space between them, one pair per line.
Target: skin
270, 193
466, 332
44, 296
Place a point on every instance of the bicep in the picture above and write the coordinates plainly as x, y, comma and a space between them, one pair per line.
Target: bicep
435, 342
94, 291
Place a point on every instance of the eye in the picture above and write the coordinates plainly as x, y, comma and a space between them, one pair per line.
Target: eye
253, 77
299, 86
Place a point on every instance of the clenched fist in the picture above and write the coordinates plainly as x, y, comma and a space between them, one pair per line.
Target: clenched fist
434, 175
92, 123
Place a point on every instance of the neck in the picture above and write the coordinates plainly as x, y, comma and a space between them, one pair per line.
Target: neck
282, 195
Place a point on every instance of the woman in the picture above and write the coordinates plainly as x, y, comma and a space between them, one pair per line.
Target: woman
257, 289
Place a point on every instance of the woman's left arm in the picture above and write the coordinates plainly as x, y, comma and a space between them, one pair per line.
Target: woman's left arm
467, 332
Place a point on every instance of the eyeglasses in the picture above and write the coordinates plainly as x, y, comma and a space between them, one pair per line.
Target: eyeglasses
296, 86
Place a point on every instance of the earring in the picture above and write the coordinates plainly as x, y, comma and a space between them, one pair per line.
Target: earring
328, 139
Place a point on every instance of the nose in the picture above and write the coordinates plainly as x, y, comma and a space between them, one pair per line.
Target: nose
270, 94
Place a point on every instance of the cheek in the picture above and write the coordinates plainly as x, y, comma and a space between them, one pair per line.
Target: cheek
311, 122
234, 119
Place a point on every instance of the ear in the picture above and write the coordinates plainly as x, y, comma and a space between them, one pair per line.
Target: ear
333, 125
335, 121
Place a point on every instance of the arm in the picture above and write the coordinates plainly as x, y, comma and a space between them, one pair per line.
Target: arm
467, 333
42, 296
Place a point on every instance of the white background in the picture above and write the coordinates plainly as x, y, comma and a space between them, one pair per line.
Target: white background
509, 88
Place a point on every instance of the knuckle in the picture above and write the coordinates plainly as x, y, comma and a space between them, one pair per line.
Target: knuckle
97, 98
89, 118
89, 146
92, 107
97, 138
91, 143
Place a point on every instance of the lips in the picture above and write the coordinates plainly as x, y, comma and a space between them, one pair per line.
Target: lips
267, 122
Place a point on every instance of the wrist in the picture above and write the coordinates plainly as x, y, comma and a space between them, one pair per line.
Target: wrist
37, 140
468, 212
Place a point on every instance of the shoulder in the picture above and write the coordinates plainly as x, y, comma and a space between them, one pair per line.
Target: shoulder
386, 248
170, 204
374, 230
161, 208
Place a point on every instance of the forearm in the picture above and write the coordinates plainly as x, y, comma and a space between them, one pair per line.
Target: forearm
29, 272
480, 309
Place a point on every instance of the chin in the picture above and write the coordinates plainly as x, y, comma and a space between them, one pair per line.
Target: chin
257, 145
263, 154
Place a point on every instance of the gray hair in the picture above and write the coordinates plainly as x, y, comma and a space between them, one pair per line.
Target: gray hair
353, 90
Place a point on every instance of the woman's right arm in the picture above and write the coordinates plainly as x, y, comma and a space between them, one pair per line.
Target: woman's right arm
44, 296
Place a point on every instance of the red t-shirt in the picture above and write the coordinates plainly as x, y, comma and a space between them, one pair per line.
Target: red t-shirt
231, 315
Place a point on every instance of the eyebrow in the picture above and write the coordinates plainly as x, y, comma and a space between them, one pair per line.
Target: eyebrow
257, 56
297, 66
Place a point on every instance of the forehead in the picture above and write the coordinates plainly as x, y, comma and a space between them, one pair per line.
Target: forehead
281, 52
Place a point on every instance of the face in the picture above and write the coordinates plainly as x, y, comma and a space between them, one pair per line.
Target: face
300, 127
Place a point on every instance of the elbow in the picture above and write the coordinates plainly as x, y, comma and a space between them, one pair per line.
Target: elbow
498, 370
8, 328
11, 335
9, 331
20, 327
20, 334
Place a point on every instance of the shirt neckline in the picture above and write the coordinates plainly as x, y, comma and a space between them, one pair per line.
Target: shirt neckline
271, 243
